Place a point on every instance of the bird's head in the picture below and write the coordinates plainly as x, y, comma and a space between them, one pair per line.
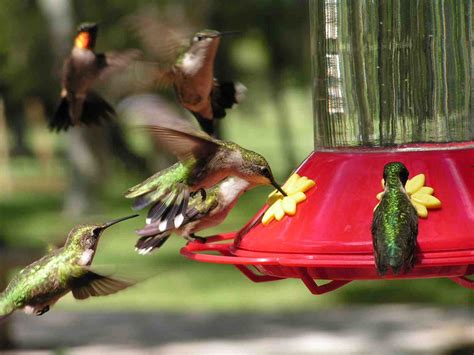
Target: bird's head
207, 39
395, 170
86, 35
86, 236
257, 171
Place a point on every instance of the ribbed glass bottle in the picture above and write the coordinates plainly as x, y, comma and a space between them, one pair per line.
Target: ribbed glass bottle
391, 72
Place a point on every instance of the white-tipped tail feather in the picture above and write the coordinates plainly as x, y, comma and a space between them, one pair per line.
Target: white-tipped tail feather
178, 220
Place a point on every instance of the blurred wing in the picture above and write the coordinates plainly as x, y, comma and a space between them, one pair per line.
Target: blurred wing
111, 62
163, 78
68, 75
172, 132
3, 317
182, 144
151, 76
164, 37
93, 284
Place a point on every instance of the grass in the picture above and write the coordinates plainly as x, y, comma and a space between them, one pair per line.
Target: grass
32, 218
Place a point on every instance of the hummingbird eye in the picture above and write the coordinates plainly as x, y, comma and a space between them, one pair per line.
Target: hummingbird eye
96, 232
265, 172
198, 38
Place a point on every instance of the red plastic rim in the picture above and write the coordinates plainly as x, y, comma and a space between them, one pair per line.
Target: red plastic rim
273, 268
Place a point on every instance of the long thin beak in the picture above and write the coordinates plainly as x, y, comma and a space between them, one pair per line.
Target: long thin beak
278, 187
118, 220
229, 33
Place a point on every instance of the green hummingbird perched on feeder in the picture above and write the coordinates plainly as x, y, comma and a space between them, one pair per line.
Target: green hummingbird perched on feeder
203, 211
188, 66
40, 285
81, 69
203, 162
395, 223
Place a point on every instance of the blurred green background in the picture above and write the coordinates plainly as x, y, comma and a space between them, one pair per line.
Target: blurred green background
43, 194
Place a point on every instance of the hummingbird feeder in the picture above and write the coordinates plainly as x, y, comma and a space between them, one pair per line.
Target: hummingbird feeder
390, 83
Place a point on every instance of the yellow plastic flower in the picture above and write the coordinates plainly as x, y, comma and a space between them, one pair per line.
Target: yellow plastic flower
421, 196
295, 187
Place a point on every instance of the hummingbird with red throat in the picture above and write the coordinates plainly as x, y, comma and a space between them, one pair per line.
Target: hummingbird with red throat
78, 103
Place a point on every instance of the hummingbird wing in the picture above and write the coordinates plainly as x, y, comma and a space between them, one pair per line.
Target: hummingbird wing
3, 317
158, 186
376, 233
112, 62
92, 284
172, 132
183, 144
163, 35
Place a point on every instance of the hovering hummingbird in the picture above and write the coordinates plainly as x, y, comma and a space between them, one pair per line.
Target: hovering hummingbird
81, 69
40, 285
203, 211
395, 223
203, 162
189, 67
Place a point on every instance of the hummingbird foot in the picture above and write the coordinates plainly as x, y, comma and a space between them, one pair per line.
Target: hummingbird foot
202, 192
193, 238
42, 311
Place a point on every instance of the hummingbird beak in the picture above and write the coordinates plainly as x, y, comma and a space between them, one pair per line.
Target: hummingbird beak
229, 33
115, 221
278, 187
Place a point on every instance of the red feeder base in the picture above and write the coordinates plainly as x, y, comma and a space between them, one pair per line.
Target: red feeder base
329, 238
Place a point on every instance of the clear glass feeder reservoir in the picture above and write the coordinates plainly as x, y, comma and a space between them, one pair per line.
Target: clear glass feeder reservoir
392, 81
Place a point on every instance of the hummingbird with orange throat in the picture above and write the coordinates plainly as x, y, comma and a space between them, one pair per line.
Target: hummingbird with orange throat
78, 103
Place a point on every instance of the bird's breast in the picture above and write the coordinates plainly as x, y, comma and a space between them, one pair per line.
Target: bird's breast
86, 257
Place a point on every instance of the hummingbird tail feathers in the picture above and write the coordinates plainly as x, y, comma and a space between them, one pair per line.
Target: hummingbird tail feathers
225, 95
94, 110
395, 259
206, 124
61, 120
168, 213
147, 244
